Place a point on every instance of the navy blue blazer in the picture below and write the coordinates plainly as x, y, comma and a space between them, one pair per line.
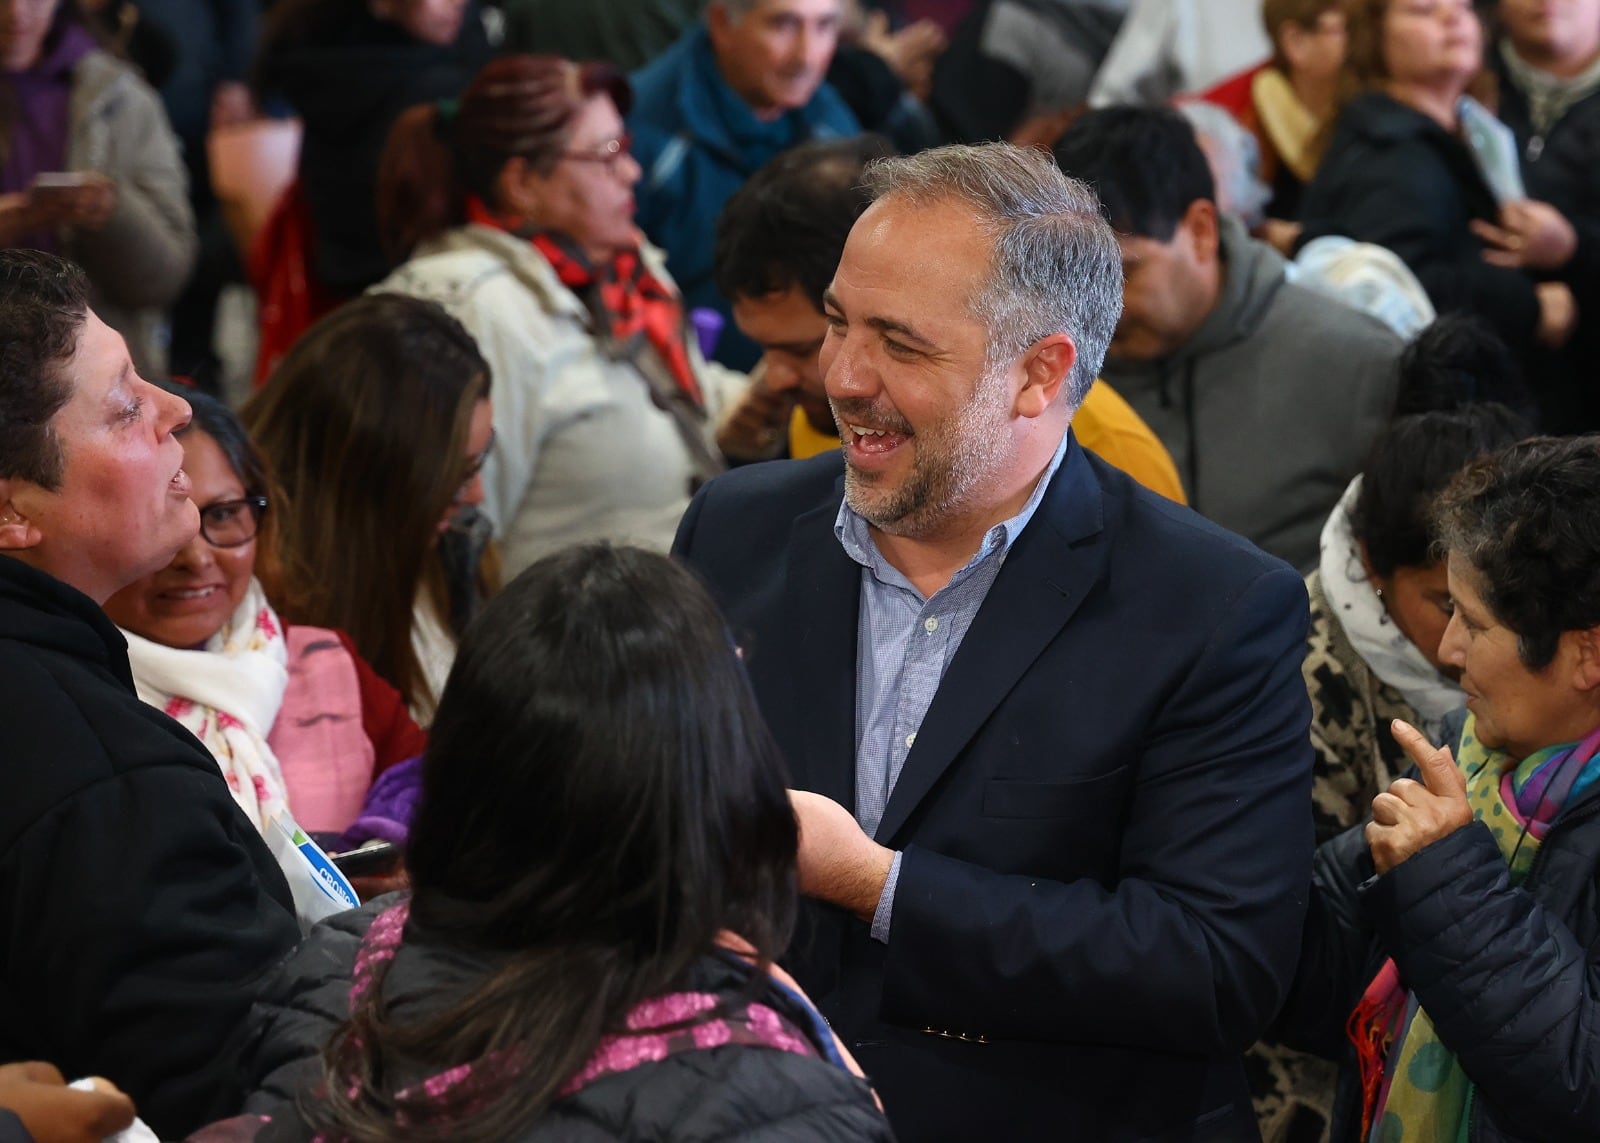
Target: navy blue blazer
1105, 820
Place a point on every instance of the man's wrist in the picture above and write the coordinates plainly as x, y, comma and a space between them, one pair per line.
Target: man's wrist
869, 890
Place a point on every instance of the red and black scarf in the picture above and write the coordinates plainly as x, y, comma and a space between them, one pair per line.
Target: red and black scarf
623, 297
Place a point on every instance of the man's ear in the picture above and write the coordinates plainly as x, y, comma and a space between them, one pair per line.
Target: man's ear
17, 531
1045, 368
1199, 224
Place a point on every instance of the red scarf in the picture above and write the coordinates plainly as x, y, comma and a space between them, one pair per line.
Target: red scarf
622, 295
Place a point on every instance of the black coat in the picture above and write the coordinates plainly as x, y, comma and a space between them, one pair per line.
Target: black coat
1562, 167
349, 75
1394, 177
731, 1092
1505, 972
139, 906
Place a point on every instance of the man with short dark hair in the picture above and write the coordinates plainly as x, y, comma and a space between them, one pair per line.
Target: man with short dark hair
737, 89
1048, 730
140, 906
1267, 395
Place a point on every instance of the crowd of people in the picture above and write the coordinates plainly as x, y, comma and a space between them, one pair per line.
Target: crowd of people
803, 570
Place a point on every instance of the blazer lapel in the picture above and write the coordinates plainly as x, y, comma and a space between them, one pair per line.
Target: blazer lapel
822, 594
1057, 559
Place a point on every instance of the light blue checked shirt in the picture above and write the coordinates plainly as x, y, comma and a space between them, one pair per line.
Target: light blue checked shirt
904, 643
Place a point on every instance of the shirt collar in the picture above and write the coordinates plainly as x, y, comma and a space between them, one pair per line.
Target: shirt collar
854, 536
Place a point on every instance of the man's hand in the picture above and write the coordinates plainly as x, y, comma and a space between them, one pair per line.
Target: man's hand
1558, 314
756, 426
55, 1113
910, 53
1410, 816
1531, 236
838, 863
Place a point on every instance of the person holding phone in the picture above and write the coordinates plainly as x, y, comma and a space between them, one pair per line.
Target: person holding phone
90, 168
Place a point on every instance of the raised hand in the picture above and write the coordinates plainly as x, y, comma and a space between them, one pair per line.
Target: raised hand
1409, 815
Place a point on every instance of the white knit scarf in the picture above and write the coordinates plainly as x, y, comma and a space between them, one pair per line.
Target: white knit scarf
227, 695
1359, 610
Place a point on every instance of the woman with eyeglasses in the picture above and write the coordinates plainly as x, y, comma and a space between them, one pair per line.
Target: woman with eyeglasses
295, 718
515, 207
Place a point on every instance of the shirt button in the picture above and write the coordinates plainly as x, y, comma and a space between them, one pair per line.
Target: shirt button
911, 740
930, 625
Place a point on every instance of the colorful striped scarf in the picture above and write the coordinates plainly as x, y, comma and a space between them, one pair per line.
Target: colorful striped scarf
1423, 1095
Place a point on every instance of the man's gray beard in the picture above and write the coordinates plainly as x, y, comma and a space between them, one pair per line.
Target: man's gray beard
933, 491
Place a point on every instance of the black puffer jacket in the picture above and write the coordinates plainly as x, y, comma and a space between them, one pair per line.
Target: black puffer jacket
1505, 972
140, 908
732, 1092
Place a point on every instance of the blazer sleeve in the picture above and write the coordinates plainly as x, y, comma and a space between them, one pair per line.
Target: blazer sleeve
1192, 947
1508, 986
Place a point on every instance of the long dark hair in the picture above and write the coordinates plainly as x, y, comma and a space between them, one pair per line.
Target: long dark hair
517, 106
365, 424
601, 798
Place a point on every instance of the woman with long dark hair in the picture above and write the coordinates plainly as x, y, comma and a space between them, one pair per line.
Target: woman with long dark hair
602, 873
376, 424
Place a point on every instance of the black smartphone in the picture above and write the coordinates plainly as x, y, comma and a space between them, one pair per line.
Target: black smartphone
369, 860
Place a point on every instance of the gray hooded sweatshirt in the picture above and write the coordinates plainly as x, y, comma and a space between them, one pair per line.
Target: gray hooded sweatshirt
1270, 408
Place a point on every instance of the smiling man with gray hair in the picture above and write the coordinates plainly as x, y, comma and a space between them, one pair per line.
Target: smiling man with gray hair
1047, 729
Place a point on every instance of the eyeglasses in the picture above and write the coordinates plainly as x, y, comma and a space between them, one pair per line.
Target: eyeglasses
608, 152
474, 470
232, 523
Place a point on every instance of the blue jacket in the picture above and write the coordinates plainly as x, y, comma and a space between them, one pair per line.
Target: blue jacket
698, 141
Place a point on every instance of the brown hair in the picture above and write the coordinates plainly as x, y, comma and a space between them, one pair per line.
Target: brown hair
1302, 13
365, 424
439, 153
